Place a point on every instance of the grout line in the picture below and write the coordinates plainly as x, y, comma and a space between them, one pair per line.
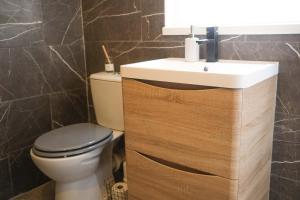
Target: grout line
111, 16
93, 8
21, 23
85, 66
293, 49
151, 15
10, 176
19, 34
66, 63
51, 112
231, 38
39, 95
285, 162
286, 142
133, 41
285, 178
69, 25
5, 113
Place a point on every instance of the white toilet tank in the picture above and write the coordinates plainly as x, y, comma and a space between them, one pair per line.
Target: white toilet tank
107, 98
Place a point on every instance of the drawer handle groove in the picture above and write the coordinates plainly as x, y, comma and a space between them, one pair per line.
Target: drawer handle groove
177, 86
175, 166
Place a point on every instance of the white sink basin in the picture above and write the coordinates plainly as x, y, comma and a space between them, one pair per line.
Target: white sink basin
225, 73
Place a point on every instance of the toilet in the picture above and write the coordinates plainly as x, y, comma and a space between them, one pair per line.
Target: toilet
78, 157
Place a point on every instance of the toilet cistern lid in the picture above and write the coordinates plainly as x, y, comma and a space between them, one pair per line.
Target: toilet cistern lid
72, 137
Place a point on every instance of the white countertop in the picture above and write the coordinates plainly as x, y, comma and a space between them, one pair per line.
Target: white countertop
224, 73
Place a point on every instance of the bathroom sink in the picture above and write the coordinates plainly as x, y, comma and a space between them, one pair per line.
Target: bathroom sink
224, 73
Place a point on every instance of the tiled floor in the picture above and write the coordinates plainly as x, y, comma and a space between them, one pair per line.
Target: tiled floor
44, 192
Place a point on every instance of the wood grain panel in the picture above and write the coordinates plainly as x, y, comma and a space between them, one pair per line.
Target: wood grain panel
224, 132
149, 180
258, 187
195, 128
256, 140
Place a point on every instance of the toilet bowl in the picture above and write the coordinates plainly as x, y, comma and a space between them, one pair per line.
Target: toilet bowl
78, 157
75, 163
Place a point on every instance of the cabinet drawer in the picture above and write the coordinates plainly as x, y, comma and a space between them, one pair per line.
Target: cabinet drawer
151, 180
190, 125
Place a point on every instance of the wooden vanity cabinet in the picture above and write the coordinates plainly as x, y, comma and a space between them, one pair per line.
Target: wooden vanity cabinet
195, 142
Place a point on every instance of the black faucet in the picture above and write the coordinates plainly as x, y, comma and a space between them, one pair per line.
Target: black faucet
212, 44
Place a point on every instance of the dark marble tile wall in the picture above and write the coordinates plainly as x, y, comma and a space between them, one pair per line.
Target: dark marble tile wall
42, 82
131, 30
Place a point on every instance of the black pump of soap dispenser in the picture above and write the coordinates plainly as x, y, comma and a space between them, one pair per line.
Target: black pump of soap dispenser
212, 44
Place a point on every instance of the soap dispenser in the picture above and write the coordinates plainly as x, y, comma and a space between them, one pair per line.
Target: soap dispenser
191, 47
